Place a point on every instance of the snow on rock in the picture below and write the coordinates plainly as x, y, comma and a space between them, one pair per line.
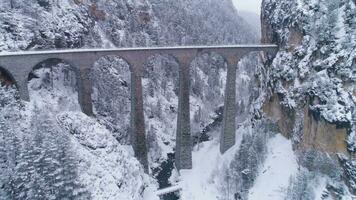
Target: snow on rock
106, 168
314, 71
315, 66
88, 132
109, 170
100, 166
274, 176
329, 90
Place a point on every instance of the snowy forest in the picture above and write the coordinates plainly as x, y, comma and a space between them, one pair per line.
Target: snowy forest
295, 116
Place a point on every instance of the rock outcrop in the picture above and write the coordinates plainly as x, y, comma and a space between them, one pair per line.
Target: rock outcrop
316, 61
311, 82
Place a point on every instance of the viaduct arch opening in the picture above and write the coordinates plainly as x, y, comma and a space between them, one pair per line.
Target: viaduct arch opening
160, 81
58, 78
6, 78
52, 63
111, 89
206, 86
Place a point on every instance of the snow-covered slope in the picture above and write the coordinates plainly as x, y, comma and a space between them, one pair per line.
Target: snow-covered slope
280, 165
208, 166
59, 148
311, 84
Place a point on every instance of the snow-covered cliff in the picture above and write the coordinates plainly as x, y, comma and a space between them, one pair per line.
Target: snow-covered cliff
312, 81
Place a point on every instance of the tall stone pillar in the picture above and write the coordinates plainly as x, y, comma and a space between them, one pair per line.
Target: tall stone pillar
227, 137
84, 91
183, 154
137, 121
22, 86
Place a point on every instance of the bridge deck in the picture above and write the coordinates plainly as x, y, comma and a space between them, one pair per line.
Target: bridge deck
65, 51
168, 190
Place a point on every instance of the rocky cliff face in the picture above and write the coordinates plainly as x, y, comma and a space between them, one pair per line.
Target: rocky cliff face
315, 68
312, 80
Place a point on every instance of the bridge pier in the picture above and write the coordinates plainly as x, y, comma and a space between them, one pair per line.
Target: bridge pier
137, 119
227, 136
183, 151
84, 91
22, 85
18, 69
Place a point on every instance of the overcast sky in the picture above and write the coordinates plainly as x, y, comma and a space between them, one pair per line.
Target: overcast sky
248, 5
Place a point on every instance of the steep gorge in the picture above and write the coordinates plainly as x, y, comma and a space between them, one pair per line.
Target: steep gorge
307, 93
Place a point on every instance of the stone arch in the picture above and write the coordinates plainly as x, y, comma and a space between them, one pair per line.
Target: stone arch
50, 62
206, 84
6, 78
137, 121
218, 90
58, 68
246, 82
167, 63
161, 93
111, 97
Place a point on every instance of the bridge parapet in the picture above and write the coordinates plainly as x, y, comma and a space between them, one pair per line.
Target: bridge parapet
20, 65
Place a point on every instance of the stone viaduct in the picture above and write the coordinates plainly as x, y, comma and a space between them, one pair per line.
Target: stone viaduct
18, 66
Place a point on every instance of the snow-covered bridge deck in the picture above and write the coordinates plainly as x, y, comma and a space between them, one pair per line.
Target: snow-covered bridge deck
18, 66
171, 189
166, 49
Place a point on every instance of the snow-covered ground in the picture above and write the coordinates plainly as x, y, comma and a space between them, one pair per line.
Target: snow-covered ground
280, 165
206, 178
202, 182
